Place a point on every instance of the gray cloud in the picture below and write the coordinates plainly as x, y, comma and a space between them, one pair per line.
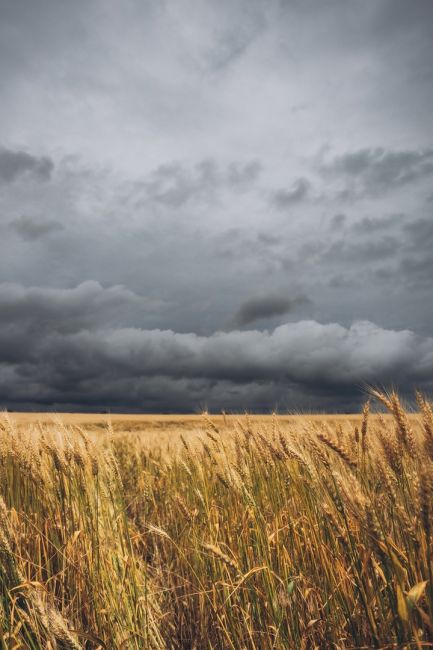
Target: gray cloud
368, 225
415, 266
299, 191
264, 307
378, 169
338, 221
41, 310
14, 164
417, 271
232, 42
30, 229
176, 184
343, 251
420, 232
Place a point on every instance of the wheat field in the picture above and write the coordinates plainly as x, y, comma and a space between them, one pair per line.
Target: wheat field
206, 532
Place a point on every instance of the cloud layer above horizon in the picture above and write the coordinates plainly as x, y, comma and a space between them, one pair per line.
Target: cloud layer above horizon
214, 204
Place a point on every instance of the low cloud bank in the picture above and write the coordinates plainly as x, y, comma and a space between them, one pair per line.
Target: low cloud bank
59, 349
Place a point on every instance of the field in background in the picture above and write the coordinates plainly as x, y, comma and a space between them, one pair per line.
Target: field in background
241, 532
162, 432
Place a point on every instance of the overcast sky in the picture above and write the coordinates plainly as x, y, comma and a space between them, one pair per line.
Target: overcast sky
214, 203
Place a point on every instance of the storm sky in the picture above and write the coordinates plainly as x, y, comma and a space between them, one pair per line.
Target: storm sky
223, 204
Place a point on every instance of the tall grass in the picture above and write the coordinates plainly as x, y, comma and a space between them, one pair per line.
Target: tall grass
70, 574
257, 534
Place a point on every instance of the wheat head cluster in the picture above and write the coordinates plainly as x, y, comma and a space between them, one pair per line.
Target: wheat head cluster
247, 533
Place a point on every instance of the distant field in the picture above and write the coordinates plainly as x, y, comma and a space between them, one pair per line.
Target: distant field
208, 532
163, 431
161, 420
173, 423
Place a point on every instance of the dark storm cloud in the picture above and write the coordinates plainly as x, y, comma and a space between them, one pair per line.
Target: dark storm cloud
378, 169
40, 309
299, 191
14, 164
30, 229
264, 307
98, 365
